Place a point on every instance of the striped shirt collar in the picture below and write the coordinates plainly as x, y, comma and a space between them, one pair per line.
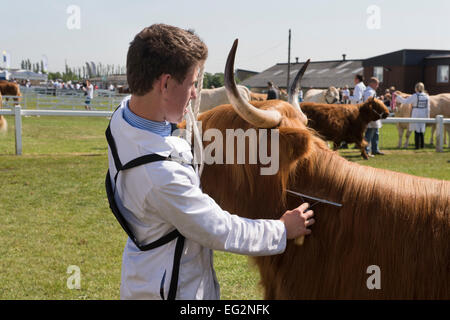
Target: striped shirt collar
163, 128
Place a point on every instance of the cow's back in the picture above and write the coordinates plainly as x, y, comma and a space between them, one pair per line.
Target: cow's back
440, 104
314, 95
331, 121
9, 88
211, 98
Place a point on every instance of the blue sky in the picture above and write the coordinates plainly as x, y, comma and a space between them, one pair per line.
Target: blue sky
321, 30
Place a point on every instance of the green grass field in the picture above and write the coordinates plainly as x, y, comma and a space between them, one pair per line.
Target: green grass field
54, 212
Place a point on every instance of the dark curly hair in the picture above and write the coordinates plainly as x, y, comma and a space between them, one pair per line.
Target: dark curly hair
160, 49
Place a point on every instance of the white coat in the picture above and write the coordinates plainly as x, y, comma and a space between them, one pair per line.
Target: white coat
421, 111
358, 93
370, 92
159, 197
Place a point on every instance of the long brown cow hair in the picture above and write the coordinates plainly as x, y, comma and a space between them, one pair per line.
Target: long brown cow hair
397, 222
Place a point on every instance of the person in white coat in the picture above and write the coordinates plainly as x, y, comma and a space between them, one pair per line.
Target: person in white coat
420, 102
372, 135
358, 91
161, 202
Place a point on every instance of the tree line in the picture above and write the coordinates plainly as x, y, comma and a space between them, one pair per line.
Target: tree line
89, 70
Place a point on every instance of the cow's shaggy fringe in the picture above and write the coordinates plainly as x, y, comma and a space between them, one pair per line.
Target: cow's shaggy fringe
398, 222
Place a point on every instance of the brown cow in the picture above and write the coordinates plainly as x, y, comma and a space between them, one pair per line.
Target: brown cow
9, 88
122, 89
344, 122
258, 96
397, 222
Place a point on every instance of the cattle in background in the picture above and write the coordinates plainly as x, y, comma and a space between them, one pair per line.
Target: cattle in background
344, 122
10, 89
258, 96
123, 89
330, 95
403, 111
397, 222
211, 98
439, 105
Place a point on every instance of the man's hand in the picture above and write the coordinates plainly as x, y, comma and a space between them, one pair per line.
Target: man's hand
297, 221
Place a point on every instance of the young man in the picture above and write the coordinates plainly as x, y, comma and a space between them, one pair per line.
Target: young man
373, 128
161, 197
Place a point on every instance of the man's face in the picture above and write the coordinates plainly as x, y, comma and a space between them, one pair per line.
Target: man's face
179, 94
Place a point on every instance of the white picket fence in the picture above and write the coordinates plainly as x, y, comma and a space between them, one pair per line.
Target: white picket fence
18, 113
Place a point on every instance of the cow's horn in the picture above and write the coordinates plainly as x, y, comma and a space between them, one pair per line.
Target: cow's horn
257, 117
294, 89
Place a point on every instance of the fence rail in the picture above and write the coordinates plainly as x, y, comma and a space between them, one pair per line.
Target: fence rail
18, 112
70, 100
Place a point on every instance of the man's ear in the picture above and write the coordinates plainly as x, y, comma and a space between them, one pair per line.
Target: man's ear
164, 80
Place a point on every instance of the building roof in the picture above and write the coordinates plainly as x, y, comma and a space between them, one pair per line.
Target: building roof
20, 74
320, 74
242, 74
405, 57
438, 56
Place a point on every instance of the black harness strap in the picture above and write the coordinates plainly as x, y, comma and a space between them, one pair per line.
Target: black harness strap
110, 191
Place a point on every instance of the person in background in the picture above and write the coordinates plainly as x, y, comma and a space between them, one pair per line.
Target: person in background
372, 135
89, 92
420, 102
391, 90
272, 93
356, 98
387, 99
345, 95
358, 91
